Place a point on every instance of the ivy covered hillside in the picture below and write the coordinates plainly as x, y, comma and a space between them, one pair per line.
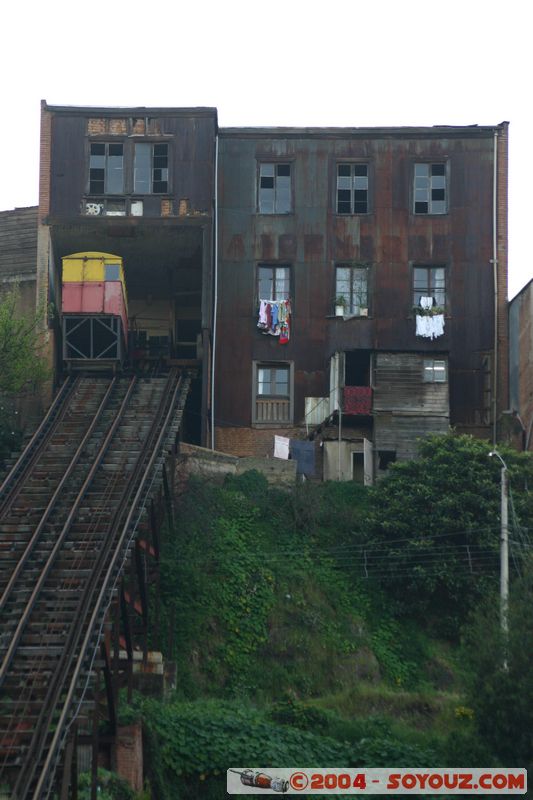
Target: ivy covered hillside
338, 625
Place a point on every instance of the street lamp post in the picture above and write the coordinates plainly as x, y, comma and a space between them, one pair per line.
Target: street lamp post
504, 546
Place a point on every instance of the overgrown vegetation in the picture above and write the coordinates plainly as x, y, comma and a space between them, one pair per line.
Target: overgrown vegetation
326, 625
22, 367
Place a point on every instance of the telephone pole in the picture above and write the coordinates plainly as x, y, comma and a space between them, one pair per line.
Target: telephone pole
504, 545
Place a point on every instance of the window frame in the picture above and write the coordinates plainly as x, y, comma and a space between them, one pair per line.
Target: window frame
352, 165
265, 364
351, 265
429, 368
430, 212
432, 289
278, 162
105, 192
152, 144
268, 265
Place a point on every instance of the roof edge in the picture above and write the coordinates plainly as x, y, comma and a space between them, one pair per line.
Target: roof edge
185, 111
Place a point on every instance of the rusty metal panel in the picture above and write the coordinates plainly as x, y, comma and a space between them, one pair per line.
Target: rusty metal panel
390, 238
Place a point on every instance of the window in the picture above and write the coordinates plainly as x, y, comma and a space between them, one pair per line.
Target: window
352, 188
273, 381
150, 174
429, 282
430, 189
434, 371
273, 283
351, 284
272, 389
106, 168
111, 272
275, 188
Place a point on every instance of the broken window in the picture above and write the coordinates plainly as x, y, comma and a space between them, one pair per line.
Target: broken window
106, 168
275, 189
352, 188
434, 370
273, 283
150, 173
351, 284
430, 195
429, 282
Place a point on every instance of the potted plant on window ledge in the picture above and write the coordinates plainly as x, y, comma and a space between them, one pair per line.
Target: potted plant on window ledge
340, 306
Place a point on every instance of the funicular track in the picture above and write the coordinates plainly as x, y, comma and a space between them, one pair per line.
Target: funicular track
69, 510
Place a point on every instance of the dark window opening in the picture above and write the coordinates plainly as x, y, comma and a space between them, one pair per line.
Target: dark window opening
275, 189
358, 467
352, 189
430, 189
386, 457
357, 368
187, 333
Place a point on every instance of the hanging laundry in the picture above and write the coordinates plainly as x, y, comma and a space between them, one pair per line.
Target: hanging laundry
274, 318
430, 327
438, 325
303, 453
281, 447
262, 314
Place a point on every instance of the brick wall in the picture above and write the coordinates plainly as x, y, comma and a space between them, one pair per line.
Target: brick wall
252, 441
129, 755
45, 157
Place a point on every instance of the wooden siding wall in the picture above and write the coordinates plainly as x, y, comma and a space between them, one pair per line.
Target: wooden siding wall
399, 386
405, 407
18, 250
191, 158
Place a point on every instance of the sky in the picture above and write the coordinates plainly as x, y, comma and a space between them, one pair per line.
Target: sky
287, 62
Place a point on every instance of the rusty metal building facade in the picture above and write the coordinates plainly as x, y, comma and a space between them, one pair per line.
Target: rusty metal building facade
384, 219
389, 216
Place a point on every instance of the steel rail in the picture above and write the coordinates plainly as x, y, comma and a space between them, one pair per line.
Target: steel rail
33, 449
15, 640
48, 510
29, 685
113, 545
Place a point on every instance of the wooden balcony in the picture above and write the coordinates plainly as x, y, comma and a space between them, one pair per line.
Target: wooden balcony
273, 410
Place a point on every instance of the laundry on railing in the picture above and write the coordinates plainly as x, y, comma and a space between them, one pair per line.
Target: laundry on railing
275, 319
429, 324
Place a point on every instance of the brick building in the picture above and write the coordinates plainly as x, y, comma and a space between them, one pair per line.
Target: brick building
346, 287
